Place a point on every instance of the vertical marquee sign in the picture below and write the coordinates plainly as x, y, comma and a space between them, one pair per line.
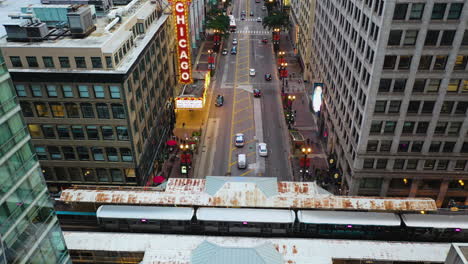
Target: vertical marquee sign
181, 11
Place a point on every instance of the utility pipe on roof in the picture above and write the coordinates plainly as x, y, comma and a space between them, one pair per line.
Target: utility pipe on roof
112, 23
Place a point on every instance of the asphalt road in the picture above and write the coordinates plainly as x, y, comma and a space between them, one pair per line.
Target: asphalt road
259, 119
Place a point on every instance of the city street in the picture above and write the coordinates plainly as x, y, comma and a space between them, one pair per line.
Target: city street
259, 119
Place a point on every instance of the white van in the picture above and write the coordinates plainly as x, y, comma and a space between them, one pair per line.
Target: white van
241, 161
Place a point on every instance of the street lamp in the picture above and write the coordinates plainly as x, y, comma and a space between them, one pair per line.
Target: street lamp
306, 151
291, 99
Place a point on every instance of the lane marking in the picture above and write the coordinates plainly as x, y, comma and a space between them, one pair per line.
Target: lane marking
247, 172
243, 120
243, 109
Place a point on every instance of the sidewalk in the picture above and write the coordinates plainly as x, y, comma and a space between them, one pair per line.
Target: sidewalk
305, 121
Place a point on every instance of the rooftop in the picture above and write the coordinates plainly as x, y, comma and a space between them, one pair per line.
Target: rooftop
462, 250
180, 249
12, 6
239, 193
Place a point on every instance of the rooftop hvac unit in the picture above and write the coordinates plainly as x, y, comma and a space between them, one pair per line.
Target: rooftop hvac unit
80, 20
36, 31
15, 32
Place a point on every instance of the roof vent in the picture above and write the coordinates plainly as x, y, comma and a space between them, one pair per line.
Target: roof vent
80, 20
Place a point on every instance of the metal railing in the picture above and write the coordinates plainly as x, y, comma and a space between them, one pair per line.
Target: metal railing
115, 188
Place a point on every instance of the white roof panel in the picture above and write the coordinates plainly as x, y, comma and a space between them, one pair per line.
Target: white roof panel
178, 249
246, 215
436, 221
145, 212
348, 218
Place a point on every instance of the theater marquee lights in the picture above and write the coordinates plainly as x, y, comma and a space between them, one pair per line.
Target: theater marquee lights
180, 11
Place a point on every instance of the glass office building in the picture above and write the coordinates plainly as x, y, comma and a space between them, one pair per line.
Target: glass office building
29, 229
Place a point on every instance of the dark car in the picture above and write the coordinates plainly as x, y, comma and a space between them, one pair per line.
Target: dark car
264, 40
251, 13
219, 100
268, 77
257, 93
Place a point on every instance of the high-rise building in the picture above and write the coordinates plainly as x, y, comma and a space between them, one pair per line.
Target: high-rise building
96, 94
396, 95
29, 230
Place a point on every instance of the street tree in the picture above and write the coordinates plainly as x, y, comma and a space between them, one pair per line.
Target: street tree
276, 20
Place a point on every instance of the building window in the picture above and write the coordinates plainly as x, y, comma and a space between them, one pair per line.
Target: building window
448, 147
453, 85
36, 90
80, 62
394, 107
370, 183
122, 133
75, 174
389, 127
57, 110
96, 62
422, 127
41, 153
83, 153
460, 63
126, 154
408, 127
399, 85
48, 62
431, 37
83, 90
92, 132
412, 164
16, 61
384, 85
403, 146
405, 62
54, 152
20, 90
380, 106
461, 108
460, 165
118, 111
465, 39
67, 91
68, 153
102, 175
52, 90
433, 86
394, 38
63, 132
454, 128
455, 11
417, 146
410, 37
26, 109
413, 107
400, 11
389, 62
438, 11
419, 85
440, 128
107, 133
109, 62
428, 107
114, 92
99, 91
87, 110
34, 130
435, 146
98, 154
398, 164
440, 62
417, 10
376, 126
41, 109
372, 145
88, 175
112, 154
447, 38
32, 61
425, 62
429, 164
116, 175
78, 132
102, 111
381, 164
64, 62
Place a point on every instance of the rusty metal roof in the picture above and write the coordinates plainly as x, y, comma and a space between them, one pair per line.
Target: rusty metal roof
191, 192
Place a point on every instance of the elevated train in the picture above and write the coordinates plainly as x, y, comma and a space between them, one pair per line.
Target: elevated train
270, 222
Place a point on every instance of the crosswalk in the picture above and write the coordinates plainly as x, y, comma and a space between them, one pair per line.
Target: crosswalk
253, 32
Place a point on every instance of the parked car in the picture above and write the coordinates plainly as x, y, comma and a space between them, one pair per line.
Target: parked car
267, 77
262, 149
251, 13
225, 52
257, 92
234, 50
252, 72
234, 41
259, 19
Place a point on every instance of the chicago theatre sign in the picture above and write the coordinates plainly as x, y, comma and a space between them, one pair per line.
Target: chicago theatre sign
181, 12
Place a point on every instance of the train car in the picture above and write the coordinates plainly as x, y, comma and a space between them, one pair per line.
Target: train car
344, 224
78, 221
123, 218
440, 228
246, 221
